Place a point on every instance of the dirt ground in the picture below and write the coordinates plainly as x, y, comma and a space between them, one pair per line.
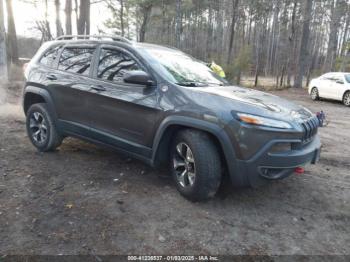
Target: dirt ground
84, 199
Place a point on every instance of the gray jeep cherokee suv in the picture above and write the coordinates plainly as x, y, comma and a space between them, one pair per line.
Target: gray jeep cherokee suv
160, 105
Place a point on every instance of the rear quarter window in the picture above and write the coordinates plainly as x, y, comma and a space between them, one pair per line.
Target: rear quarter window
50, 56
76, 60
347, 78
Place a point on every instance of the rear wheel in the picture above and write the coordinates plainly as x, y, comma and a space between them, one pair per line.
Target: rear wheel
314, 94
41, 129
195, 165
346, 98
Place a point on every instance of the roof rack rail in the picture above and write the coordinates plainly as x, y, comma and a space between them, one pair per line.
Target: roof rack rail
77, 37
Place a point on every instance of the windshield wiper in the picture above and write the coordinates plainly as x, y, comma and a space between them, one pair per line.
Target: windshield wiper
210, 83
187, 84
197, 83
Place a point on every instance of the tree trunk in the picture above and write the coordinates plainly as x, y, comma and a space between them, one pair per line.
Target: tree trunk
333, 36
3, 54
76, 11
346, 31
282, 76
303, 51
239, 76
209, 31
127, 8
164, 22
87, 17
81, 18
59, 30
250, 26
256, 79
122, 17
146, 13
68, 12
178, 24
83, 25
273, 36
46, 27
232, 33
291, 44
11, 34
258, 58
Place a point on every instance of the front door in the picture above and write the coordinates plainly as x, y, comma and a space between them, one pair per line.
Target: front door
339, 87
117, 110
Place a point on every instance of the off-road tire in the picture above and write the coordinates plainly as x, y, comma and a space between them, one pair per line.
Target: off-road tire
207, 165
314, 94
53, 139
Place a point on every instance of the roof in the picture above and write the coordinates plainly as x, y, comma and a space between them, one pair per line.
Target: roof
338, 73
96, 37
155, 46
109, 39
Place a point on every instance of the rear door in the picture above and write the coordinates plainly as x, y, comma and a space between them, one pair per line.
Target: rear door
71, 85
325, 85
125, 111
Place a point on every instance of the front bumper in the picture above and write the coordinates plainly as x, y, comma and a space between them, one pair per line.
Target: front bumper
265, 166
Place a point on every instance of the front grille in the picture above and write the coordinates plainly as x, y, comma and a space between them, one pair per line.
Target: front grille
310, 128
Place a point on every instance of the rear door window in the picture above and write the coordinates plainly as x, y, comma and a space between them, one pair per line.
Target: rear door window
76, 60
50, 56
325, 76
338, 79
113, 64
330, 77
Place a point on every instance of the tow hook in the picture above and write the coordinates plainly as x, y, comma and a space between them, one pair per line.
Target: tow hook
299, 171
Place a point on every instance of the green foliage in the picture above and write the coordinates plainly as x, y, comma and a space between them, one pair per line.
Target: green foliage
241, 64
114, 23
243, 60
230, 72
343, 64
267, 32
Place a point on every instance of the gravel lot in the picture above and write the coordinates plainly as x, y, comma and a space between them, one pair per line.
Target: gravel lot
84, 199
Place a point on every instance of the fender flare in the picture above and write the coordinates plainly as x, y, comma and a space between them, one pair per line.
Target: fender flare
45, 95
214, 129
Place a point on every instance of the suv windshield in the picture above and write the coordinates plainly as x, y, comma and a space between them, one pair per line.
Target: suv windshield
182, 69
347, 77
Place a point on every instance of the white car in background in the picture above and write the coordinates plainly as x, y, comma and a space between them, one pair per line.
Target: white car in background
334, 86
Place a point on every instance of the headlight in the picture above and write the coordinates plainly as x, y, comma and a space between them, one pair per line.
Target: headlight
263, 121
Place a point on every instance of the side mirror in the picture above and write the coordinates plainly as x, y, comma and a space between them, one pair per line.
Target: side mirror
138, 77
340, 82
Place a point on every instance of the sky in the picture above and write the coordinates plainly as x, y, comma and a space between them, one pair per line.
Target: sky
26, 14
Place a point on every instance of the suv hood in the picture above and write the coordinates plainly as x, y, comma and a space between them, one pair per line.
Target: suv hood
270, 104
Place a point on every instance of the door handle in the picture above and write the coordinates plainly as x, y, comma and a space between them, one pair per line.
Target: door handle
98, 88
51, 77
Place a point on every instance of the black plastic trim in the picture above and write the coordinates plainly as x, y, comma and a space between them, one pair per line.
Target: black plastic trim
99, 137
237, 178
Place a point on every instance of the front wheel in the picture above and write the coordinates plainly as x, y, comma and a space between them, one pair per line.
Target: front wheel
195, 165
314, 94
346, 99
